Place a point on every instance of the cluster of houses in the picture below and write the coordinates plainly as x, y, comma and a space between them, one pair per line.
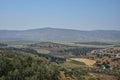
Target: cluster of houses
111, 52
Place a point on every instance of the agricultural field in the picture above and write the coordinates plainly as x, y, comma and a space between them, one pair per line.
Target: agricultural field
88, 62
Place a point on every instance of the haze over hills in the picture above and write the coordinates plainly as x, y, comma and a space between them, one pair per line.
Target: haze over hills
47, 34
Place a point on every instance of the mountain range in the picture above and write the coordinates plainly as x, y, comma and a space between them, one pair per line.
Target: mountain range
47, 34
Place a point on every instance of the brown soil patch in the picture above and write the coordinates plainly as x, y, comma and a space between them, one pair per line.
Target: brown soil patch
103, 77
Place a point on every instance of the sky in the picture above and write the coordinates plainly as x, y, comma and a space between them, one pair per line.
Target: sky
68, 14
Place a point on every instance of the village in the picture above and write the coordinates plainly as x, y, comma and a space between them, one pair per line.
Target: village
110, 52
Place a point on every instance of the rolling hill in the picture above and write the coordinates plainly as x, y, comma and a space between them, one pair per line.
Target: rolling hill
47, 34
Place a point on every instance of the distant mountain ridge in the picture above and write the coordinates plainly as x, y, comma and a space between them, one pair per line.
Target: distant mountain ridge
47, 34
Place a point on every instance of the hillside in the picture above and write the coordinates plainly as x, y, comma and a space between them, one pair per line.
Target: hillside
27, 64
48, 34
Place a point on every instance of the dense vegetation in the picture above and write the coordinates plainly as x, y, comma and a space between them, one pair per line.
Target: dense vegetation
3, 45
20, 65
77, 52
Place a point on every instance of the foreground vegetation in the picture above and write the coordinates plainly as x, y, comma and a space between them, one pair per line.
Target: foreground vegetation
28, 64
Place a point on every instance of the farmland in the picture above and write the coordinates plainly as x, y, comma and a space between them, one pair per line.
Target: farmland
88, 62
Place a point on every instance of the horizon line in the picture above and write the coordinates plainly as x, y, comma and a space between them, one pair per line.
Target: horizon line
59, 28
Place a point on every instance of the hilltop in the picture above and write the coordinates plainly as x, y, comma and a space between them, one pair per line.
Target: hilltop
48, 34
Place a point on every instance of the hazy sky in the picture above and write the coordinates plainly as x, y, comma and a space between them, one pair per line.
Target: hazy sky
71, 14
